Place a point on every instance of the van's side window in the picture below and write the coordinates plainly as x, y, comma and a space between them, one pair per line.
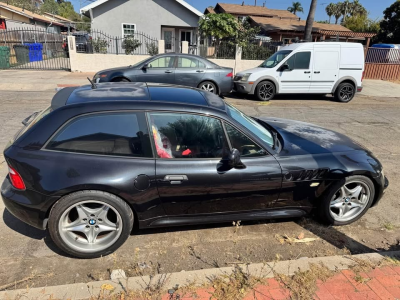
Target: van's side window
300, 60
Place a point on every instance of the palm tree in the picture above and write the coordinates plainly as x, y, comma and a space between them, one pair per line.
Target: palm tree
330, 10
346, 9
357, 9
296, 7
310, 21
337, 11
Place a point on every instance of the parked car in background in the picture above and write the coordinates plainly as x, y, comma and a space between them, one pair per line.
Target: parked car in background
98, 161
83, 42
180, 69
307, 68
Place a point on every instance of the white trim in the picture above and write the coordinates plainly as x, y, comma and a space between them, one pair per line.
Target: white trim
122, 28
100, 2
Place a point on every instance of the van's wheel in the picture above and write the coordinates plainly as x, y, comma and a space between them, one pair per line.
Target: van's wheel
265, 91
209, 87
90, 224
345, 92
347, 200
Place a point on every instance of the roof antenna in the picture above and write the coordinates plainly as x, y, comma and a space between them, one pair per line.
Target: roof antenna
92, 83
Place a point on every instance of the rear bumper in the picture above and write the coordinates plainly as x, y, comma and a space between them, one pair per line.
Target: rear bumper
225, 87
28, 206
359, 89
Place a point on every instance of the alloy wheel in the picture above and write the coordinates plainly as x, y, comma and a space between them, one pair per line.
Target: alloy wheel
90, 226
208, 87
266, 91
346, 93
349, 201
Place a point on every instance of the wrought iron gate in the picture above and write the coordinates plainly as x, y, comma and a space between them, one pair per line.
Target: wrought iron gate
33, 49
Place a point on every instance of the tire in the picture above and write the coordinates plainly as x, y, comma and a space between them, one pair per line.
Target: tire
91, 213
209, 87
345, 92
120, 79
334, 201
265, 91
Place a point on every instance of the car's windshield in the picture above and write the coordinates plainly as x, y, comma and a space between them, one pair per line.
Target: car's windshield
275, 59
260, 131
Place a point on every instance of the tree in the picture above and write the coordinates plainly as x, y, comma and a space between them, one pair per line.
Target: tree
390, 25
361, 23
337, 11
330, 10
310, 21
219, 26
345, 8
245, 33
296, 7
25, 4
50, 6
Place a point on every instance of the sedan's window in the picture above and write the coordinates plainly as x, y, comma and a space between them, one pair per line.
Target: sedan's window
188, 136
256, 128
239, 141
188, 62
163, 62
121, 134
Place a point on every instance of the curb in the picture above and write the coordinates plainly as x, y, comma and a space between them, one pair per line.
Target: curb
81, 291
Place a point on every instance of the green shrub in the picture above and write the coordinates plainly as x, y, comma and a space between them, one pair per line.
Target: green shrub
100, 45
152, 48
131, 44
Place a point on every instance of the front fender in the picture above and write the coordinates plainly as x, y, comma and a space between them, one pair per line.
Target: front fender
262, 78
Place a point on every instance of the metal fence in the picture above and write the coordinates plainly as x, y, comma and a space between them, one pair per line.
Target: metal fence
382, 64
33, 49
259, 50
383, 56
137, 43
220, 50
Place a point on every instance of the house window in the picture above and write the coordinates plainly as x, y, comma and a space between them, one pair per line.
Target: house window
128, 29
186, 36
3, 24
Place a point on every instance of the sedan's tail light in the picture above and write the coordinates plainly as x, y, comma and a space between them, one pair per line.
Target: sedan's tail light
16, 179
229, 75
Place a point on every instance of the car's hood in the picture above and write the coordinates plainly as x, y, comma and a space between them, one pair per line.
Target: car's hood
113, 70
301, 138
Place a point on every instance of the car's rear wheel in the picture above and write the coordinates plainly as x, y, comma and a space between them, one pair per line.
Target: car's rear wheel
209, 87
265, 91
345, 92
90, 224
347, 201
120, 79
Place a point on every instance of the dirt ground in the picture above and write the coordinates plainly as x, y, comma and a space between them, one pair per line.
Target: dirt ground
374, 121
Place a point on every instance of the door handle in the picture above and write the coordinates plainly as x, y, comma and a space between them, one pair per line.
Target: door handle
175, 179
168, 72
317, 72
200, 71
307, 72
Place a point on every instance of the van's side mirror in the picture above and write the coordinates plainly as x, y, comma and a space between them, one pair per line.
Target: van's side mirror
145, 66
233, 160
285, 67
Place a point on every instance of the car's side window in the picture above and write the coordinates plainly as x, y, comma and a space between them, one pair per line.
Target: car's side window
186, 62
187, 136
118, 134
162, 62
299, 61
246, 146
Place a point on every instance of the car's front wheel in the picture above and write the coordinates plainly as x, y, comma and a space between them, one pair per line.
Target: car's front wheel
90, 224
347, 201
265, 91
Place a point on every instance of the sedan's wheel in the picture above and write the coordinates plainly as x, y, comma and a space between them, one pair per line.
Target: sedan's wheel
347, 201
265, 91
345, 92
90, 224
209, 87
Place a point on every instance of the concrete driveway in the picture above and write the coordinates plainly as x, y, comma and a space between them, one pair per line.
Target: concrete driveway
28, 257
380, 88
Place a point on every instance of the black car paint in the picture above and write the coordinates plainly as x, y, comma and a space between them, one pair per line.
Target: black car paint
274, 186
191, 77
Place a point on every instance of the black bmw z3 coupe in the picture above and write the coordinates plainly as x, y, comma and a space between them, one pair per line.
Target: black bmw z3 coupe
101, 158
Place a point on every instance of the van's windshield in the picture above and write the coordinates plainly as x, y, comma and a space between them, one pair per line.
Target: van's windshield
275, 59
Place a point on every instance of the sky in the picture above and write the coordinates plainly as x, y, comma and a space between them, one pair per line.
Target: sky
375, 7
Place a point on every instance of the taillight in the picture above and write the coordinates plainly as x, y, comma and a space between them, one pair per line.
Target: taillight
229, 75
16, 179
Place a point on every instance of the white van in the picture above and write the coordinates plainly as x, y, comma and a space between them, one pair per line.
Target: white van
307, 68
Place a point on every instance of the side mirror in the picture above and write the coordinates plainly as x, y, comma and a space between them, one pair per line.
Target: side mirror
233, 160
285, 67
145, 66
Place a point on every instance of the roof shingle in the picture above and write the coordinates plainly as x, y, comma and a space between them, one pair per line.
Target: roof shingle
250, 10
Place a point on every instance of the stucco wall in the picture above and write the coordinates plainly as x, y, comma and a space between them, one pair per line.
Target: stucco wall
239, 65
148, 15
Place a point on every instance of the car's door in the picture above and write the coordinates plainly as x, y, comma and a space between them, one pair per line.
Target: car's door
159, 70
325, 68
190, 176
295, 73
189, 71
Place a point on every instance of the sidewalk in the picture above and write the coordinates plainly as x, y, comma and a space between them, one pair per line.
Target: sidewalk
365, 276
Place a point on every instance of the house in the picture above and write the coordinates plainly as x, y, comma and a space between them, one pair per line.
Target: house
284, 26
12, 17
171, 20
59, 19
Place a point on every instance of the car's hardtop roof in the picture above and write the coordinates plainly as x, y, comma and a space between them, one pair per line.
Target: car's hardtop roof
139, 91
